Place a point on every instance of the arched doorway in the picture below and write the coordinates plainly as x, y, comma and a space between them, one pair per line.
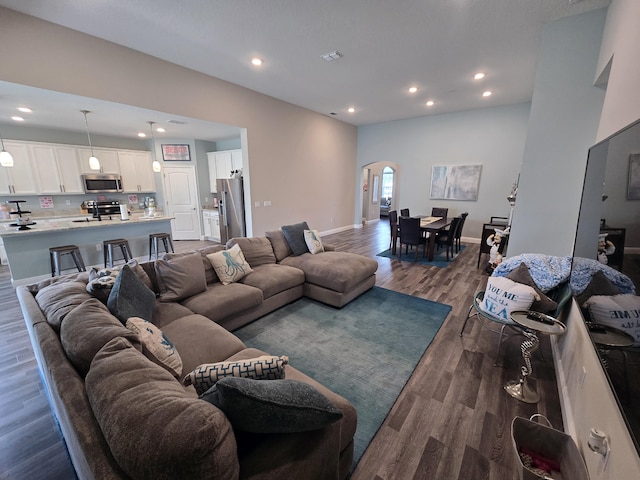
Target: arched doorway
377, 203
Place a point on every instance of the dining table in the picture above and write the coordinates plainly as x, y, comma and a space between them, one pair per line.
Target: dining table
430, 225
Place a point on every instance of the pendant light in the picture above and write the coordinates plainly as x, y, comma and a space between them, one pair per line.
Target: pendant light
156, 164
94, 163
6, 160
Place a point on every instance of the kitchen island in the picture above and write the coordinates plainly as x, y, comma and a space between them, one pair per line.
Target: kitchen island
28, 250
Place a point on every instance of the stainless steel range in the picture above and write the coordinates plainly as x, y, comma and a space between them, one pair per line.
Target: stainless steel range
103, 207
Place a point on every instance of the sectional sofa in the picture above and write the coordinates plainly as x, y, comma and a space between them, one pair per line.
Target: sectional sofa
123, 414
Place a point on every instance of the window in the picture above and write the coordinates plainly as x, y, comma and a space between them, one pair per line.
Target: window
387, 182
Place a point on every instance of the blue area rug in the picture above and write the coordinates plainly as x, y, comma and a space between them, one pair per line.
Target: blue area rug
439, 257
365, 351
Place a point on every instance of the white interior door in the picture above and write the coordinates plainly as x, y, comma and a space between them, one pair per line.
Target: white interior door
181, 202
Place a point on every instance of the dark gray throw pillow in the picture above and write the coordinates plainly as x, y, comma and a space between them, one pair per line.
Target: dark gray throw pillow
130, 297
272, 406
294, 235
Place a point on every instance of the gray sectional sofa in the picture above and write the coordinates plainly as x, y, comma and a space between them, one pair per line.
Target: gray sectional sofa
124, 416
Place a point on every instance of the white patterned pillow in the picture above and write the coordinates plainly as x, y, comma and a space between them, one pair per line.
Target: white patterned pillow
156, 346
502, 296
266, 367
617, 311
312, 238
230, 265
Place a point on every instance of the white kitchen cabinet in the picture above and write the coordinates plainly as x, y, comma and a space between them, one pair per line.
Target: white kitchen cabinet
19, 179
137, 171
56, 168
211, 222
221, 164
109, 162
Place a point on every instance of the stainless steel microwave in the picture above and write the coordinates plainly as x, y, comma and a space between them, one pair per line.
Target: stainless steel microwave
102, 183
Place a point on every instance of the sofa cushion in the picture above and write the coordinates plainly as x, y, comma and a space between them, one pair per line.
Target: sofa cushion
294, 234
312, 239
256, 250
337, 271
209, 272
199, 340
156, 346
101, 280
130, 297
279, 244
274, 406
617, 311
502, 296
58, 299
86, 329
154, 428
230, 265
599, 285
273, 278
180, 277
265, 367
521, 275
165, 313
221, 301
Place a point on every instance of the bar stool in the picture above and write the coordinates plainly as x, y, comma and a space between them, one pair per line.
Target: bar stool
153, 243
56, 253
108, 247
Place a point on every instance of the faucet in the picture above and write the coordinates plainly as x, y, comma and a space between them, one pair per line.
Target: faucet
96, 211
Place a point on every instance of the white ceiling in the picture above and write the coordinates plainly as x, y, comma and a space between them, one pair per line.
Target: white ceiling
388, 46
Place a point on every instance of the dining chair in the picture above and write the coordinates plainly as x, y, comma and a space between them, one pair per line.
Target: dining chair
448, 237
439, 212
410, 235
459, 232
393, 227
404, 212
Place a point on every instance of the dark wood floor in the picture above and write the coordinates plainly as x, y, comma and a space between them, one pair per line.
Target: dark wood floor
452, 420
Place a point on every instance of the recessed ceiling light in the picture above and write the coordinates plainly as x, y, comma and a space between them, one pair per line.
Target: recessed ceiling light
24, 109
413, 89
256, 61
430, 103
142, 134
17, 119
487, 93
160, 130
351, 110
478, 76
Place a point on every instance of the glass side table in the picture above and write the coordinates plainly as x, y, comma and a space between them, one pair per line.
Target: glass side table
532, 323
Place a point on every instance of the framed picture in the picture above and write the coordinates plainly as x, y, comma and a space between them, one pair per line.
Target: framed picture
376, 189
455, 182
176, 153
633, 187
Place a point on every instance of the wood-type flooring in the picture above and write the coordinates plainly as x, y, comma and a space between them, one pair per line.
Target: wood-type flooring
451, 421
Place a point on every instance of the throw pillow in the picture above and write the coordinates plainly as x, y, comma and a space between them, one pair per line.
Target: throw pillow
265, 367
312, 239
130, 297
598, 285
256, 250
521, 275
180, 277
617, 311
156, 346
101, 280
276, 406
502, 296
230, 265
294, 234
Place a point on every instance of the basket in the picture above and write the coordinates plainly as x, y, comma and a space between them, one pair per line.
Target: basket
549, 446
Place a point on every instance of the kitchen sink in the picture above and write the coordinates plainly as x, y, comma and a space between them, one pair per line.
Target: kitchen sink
85, 220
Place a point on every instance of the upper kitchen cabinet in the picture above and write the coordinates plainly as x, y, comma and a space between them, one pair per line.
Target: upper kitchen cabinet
109, 162
137, 171
222, 163
19, 179
56, 168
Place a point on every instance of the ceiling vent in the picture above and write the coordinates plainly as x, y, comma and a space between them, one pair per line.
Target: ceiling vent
176, 122
331, 56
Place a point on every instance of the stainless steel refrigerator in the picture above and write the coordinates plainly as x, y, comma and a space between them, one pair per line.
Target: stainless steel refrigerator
230, 208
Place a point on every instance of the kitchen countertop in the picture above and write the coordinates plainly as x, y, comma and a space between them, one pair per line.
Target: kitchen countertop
62, 224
